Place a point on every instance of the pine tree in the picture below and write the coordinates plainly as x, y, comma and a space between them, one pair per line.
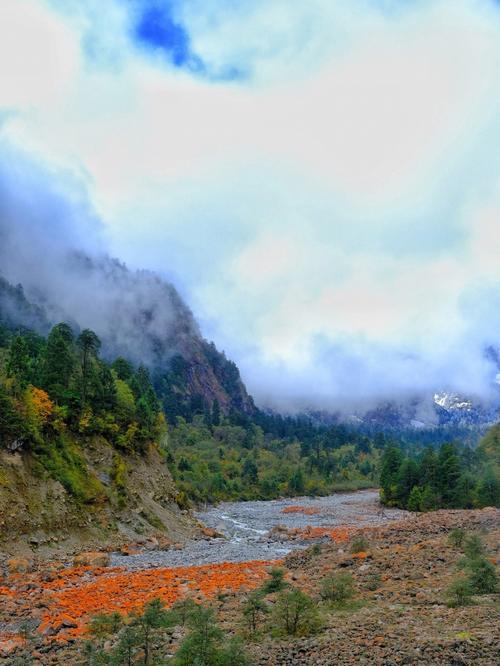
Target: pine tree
89, 345
391, 463
488, 490
407, 478
415, 499
449, 473
254, 609
18, 361
250, 471
11, 425
153, 617
429, 500
429, 472
215, 416
58, 363
296, 482
465, 491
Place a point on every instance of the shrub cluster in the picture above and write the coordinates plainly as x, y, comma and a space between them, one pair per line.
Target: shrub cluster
479, 575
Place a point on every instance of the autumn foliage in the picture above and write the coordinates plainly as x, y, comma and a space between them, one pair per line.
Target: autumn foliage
39, 405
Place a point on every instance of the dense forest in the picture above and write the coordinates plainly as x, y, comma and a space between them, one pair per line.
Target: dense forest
454, 477
56, 391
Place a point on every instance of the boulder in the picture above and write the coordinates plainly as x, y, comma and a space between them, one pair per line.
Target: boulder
129, 549
20, 565
91, 559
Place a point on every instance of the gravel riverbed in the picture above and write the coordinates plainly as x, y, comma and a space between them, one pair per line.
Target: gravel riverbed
247, 529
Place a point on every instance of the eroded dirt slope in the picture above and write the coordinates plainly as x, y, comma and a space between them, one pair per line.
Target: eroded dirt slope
39, 517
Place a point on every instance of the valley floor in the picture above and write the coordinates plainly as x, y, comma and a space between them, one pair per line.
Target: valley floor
399, 615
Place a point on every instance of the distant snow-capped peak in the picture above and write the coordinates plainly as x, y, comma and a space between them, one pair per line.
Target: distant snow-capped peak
452, 401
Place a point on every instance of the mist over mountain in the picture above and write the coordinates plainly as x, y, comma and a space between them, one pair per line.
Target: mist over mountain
52, 243
51, 246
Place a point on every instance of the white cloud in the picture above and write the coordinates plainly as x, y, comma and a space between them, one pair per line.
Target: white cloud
345, 198
37, 55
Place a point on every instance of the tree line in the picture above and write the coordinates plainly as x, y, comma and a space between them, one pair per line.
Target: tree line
452, 478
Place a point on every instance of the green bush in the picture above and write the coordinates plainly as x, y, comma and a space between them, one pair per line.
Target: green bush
105, 624
459, 593
149, 624
200, 647
234, 654
482, 576
182, 610
359, 544
295, 613
337, 587
473, 546
415, 499
276, 581
255, 609
204, 645
119, 478
456, 537
64, 462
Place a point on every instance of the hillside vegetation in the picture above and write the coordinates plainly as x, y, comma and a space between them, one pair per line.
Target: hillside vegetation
81, 442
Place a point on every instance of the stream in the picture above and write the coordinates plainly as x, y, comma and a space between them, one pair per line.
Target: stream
247, 529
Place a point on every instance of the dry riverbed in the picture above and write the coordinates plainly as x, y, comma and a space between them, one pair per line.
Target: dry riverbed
268, 530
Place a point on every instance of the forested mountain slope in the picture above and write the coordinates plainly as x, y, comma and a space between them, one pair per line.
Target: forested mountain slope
137, 316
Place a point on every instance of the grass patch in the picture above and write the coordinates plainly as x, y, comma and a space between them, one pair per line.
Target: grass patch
152, 519
65, 463
359, 544
119, 479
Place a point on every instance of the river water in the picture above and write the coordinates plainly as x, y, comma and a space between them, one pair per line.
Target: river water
247, 529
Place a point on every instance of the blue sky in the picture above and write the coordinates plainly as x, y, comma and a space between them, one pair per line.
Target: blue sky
158, 28
321, 178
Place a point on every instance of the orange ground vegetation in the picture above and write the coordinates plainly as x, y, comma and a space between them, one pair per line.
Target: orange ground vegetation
75, 595
306, 510
337, 534
8, 643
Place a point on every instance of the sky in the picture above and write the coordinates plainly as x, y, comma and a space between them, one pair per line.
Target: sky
319, 178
